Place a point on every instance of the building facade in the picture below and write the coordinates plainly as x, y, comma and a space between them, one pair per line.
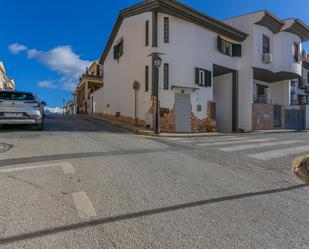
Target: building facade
5, 82
89, 82
213, 75
273, 55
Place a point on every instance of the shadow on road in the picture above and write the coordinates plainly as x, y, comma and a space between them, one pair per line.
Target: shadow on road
37, 159
62, 123
135, 215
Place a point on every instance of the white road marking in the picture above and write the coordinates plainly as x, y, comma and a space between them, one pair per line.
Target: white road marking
83, 205
68, 168
279, 153
260, 145
39, 166
214, 139
238, 142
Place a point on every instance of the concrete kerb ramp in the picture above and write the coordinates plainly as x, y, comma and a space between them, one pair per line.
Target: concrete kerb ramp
300, 167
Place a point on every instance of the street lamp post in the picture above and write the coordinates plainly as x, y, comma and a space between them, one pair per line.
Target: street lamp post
157, 64
63, 105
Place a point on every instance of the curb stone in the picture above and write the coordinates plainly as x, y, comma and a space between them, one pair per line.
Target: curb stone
300, 167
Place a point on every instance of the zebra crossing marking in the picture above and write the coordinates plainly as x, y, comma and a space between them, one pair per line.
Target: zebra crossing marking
268, 155
238, 142
215, 139
259, 145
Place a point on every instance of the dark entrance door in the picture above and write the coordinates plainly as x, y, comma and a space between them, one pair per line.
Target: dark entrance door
294, 119
277, 116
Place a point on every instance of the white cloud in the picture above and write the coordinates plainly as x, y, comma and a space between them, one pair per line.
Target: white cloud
16, 48
69, 86
31, 53
47, 84
62, 60
62, 85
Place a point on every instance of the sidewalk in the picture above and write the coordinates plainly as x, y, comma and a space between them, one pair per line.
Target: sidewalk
147, 132
123, 125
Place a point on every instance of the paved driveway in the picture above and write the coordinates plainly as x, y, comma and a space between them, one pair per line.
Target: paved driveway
84, 184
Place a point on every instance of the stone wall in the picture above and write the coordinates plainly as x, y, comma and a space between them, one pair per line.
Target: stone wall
129, 120
263, 115
168, 119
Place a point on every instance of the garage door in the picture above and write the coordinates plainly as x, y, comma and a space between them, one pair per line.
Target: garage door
183, 112
295, 119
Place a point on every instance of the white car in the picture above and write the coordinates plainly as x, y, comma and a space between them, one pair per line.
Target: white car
18, 107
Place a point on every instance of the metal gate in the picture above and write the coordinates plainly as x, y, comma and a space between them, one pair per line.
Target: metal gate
294, 119
277, 116
183, 113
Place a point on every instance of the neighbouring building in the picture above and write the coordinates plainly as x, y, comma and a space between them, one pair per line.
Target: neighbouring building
89, 82
5, 82
226, 75
273, 55
70, 108
299, 92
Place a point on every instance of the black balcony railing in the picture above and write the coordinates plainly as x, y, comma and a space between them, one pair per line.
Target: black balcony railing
295, 102
262, 100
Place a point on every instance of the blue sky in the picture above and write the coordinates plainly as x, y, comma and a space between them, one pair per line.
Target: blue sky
57, 38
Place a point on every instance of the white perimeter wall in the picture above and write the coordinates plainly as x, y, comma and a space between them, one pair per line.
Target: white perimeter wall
223, 85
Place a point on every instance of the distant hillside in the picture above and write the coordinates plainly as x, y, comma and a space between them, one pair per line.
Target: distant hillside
53, 110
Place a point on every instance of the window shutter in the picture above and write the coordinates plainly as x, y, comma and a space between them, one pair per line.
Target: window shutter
166, 30
208, 78
236, 50
219, 43
166, 76
197, 76
147, 34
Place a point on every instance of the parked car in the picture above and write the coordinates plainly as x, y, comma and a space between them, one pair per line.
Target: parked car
43, 105
18, 107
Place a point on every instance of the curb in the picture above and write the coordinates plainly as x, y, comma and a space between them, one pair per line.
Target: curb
150, 133
300, 167
134, 130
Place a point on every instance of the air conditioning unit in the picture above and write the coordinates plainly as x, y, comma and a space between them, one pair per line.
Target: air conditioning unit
267, 58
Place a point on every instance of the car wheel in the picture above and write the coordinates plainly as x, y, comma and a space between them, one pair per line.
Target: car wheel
40, 127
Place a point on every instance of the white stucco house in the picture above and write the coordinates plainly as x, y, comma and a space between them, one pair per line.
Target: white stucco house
272, 53
212, 71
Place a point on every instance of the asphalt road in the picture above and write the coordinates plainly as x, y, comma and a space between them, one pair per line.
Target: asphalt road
84, 184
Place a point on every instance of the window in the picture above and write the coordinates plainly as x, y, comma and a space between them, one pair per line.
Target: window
146, 78
266, 45
261, 90
16, 96
296, 52
166, 76
147, 34
203, 77
228, 48
308, 78
118, 50
166, 30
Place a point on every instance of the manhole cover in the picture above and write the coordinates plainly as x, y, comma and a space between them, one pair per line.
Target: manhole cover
5, 147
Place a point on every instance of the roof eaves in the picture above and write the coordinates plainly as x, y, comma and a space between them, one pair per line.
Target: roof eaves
271, 22
176, 9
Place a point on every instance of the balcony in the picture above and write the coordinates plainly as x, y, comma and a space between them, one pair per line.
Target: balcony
90, 77
295, 102
262, 100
